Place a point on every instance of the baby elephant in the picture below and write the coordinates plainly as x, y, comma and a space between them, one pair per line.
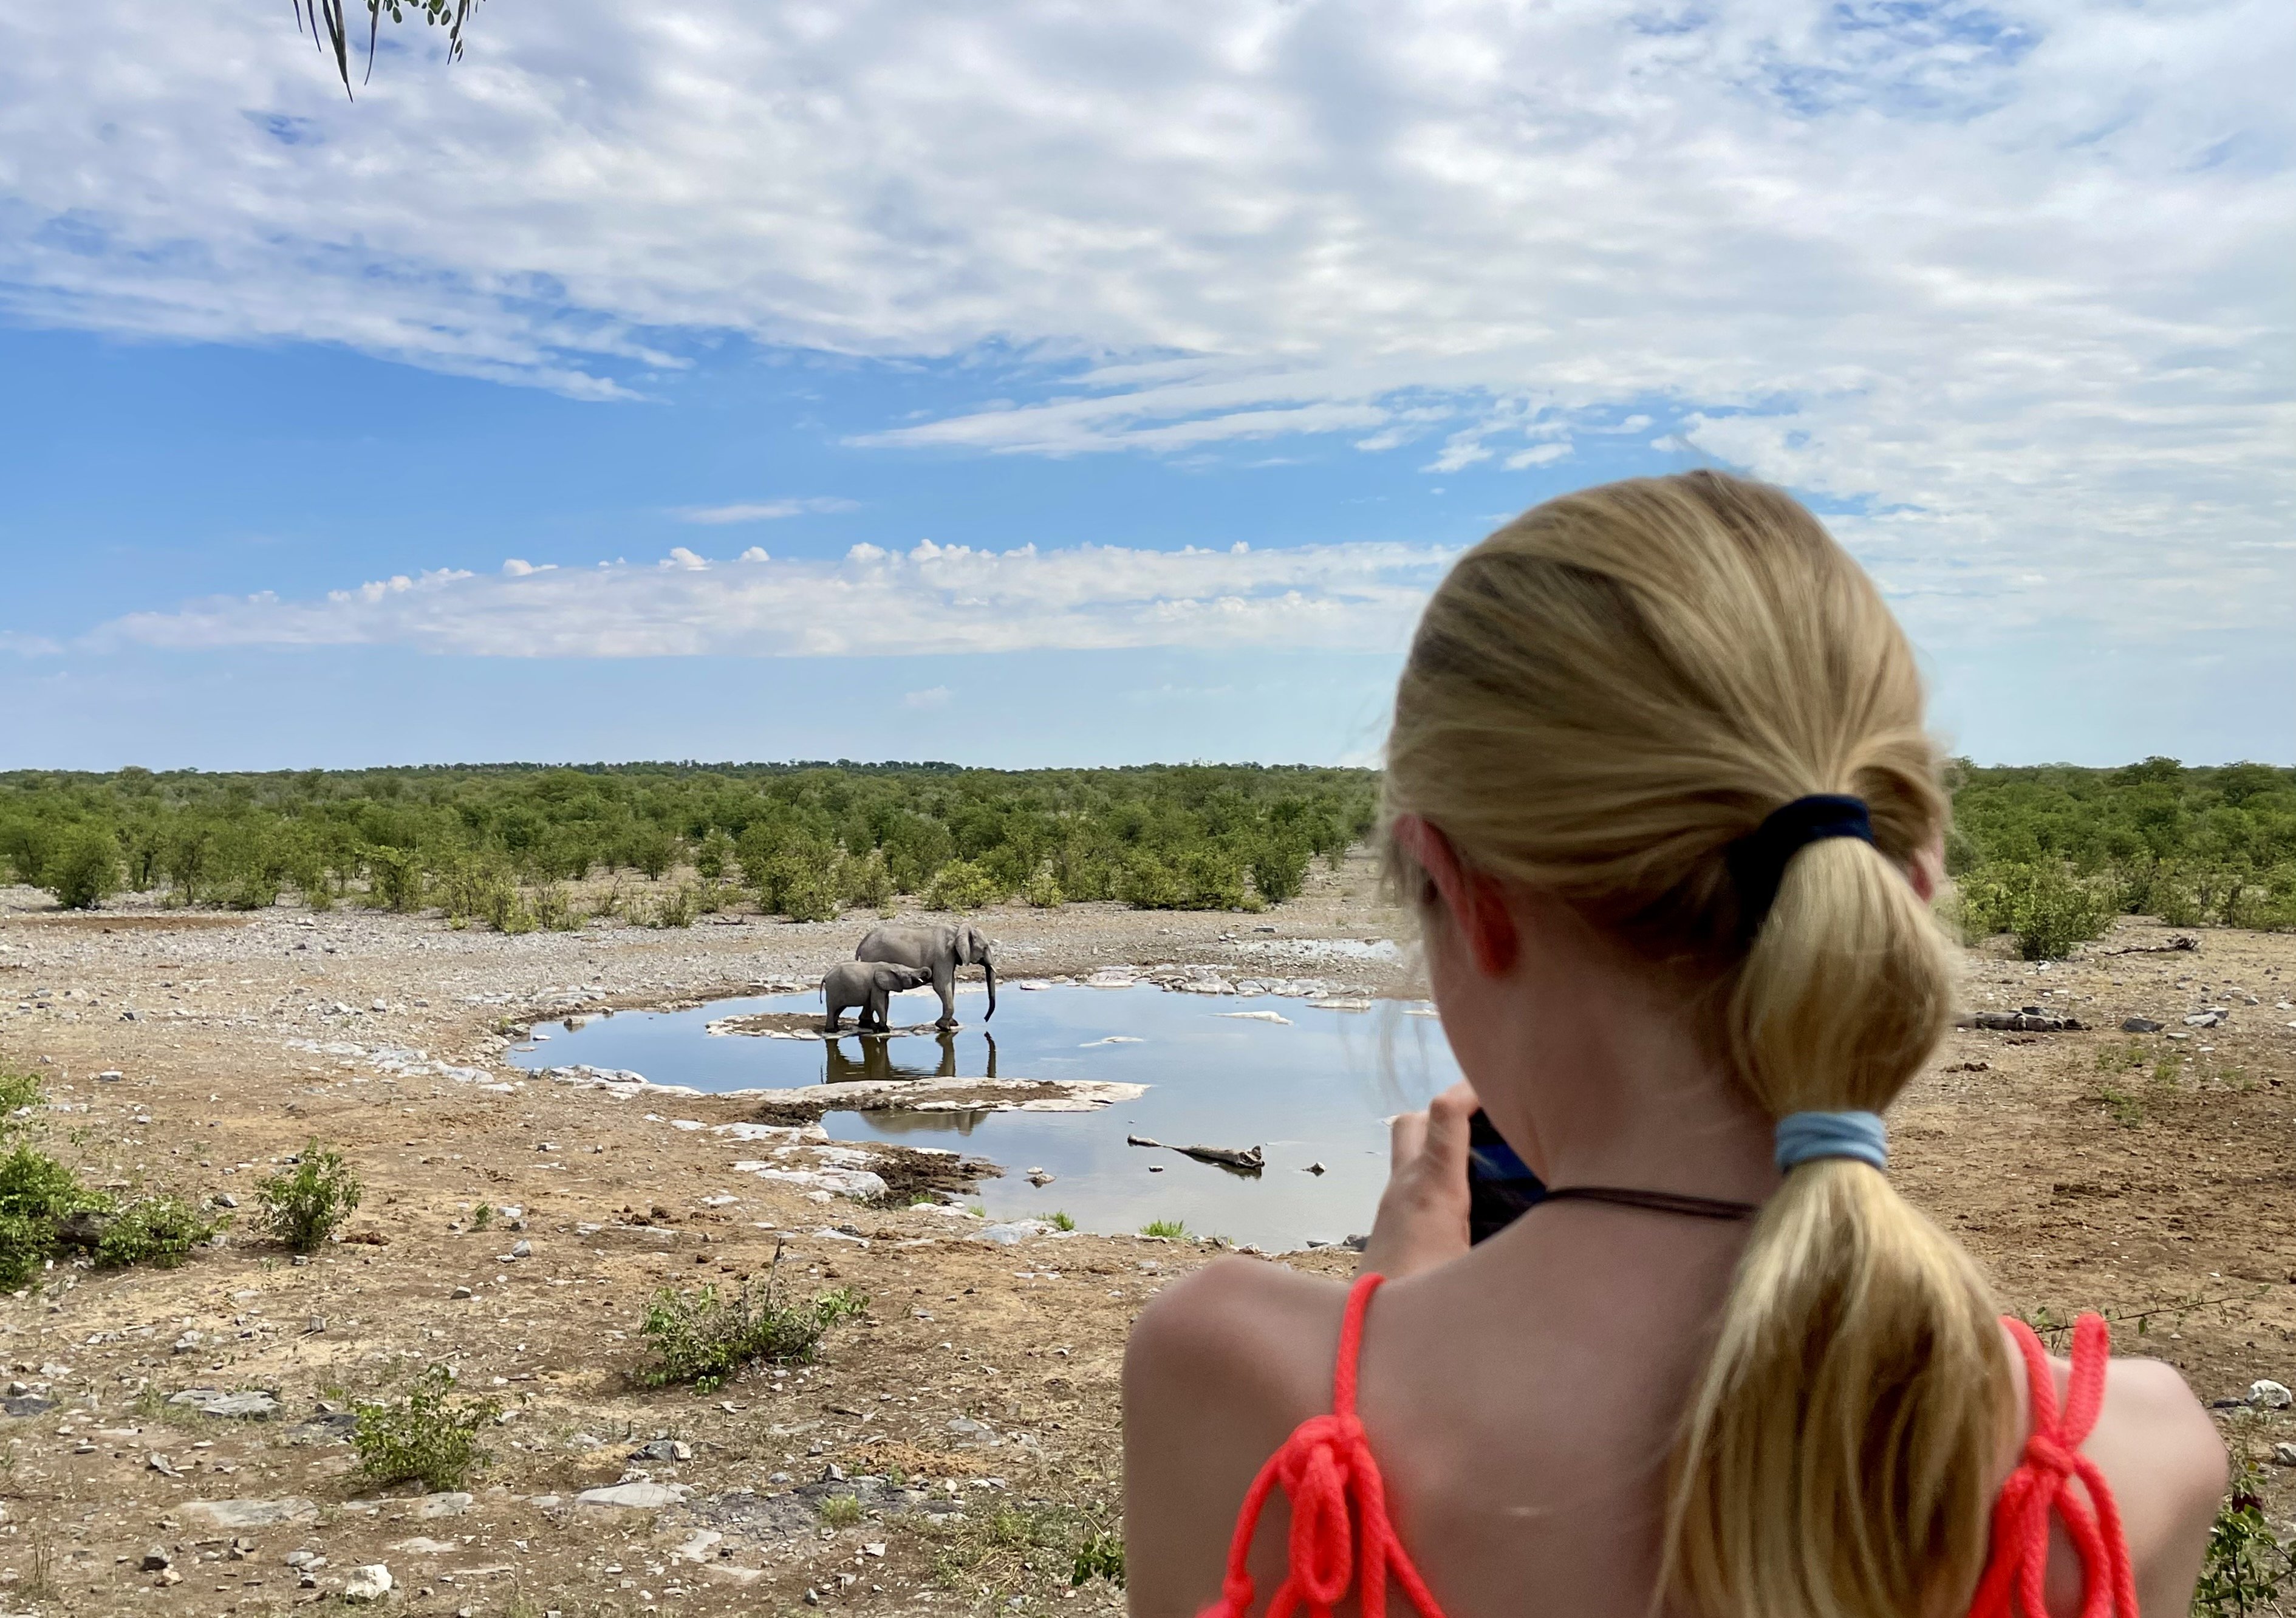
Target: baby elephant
868, 984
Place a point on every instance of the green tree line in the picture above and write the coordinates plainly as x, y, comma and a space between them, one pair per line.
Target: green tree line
2048, 853
502, 844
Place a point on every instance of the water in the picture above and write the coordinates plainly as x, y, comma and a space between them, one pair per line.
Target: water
1314, 1091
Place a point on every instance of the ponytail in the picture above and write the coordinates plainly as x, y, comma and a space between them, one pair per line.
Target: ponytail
1606, 700
1836, 1460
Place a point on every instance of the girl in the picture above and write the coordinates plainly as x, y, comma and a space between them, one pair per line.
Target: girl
1659, 789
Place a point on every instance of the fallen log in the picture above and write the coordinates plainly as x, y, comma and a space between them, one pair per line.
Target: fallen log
2026, 1021
2175, 945
1250, 1160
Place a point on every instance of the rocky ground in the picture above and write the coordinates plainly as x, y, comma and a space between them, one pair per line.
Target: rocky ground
957, 1443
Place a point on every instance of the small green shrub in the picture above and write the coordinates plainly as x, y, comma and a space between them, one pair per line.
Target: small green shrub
1279, 871
1060, 1221
1099, 1557
304, 1207
160, 1230
36, 1192
2043, 905
702, 1338
552, 911
1148, 883
840, 1511
2126, 1110
86, 871
714, 855
867, 881
18, 1093
424, 1437
395, 879
1214, 879
482, 1216
1172, 1230
676, 908
1043, 890
2247, 1567
961, 885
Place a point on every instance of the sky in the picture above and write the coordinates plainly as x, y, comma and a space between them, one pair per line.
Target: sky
1030, 384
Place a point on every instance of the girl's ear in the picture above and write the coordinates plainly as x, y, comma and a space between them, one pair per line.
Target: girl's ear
1926, 869
1477, 902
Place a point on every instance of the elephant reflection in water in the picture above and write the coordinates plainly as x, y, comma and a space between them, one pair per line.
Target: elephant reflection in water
876, 1060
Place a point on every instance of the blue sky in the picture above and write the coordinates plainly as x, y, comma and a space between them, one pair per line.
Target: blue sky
1036, 388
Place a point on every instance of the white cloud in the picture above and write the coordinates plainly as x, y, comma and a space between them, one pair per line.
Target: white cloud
767, 511
2013, 278
933, 696
932, 599
28, 645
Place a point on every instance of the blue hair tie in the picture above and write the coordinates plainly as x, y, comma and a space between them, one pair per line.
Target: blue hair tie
1806, 1137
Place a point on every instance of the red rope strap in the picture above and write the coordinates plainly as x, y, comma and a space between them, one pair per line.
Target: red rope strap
1338, 1501
2044, 1482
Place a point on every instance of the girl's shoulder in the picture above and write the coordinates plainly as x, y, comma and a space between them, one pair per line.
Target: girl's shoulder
2164, 1463
1221, 1365
1251, 1324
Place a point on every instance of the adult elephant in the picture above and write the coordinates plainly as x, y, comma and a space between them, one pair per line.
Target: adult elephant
939, 951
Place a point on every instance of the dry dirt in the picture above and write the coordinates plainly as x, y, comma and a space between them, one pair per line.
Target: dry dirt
2148, 1177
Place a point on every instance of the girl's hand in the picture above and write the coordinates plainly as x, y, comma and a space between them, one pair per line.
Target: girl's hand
1423, 1215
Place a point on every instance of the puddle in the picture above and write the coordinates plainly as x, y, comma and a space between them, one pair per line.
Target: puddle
1222, 1070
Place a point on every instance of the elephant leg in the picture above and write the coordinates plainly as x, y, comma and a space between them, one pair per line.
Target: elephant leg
945, 986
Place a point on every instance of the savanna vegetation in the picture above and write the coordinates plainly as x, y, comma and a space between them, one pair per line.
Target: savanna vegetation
2048, 854
507, 846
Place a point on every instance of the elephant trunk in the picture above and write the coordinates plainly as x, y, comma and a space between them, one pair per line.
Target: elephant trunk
988, 971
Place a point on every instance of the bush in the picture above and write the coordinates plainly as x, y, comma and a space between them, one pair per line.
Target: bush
1043, 890
714, 855
2041, 905
37, 1192
703, 1338
395, 879
1099, 1557
160, 1230
86, 871
18, 1093
1214, 879
304, 1208
867, 881
840, 1511
1279, 870
552, 911
676, 908
2246, 1568
961, 885
424, 1437
1171, 1230
1148, 883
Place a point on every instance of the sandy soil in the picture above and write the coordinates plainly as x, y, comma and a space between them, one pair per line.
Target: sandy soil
2147, 1176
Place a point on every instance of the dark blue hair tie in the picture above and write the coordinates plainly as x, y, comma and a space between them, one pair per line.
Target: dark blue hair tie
1758, 861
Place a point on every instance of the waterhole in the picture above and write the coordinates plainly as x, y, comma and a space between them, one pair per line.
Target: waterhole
1221, 1071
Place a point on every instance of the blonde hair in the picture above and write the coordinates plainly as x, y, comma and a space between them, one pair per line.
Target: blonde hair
1601, 698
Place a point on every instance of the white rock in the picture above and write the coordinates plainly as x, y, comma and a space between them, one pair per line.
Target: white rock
2284, 1455
1257, 1016
253, 1514
2269, 1395
451, 1504
368, 1583
633, 1496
